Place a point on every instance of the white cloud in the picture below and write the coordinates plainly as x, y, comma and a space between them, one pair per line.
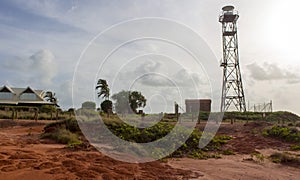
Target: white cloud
272, 72
161, 78
44, 66
84, 20
64, 93
38, 69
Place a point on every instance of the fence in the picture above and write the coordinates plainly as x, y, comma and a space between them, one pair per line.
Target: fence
261, 107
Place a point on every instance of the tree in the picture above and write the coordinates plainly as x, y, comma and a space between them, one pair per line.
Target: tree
50, 96
106, 106
89, 105
104, 89
136, 100
104, 93
71, 111
128, 102
122, 101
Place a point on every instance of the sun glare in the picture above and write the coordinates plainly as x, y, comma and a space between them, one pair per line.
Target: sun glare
284, 27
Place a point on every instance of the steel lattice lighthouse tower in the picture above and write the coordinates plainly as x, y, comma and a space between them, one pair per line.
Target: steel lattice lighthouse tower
233, 97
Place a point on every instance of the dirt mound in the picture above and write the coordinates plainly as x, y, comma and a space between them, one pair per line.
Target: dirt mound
247, 138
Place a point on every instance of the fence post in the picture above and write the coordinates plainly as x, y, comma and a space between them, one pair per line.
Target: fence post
57, 114
16, 114
13, 114
36, 114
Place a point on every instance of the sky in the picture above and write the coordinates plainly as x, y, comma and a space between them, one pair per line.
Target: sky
149, 46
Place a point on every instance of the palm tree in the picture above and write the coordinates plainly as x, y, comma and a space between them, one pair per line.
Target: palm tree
104, 89
50, 96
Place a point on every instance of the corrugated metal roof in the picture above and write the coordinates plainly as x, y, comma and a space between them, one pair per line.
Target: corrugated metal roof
17, 92
8, 88
38, 102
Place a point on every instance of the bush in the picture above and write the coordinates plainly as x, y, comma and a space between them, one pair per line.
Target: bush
228, 152
284, 133
63, 136
258, 157
144, 135
69, 124
295, 147
47, 109
282, 116
106, 106
285, 158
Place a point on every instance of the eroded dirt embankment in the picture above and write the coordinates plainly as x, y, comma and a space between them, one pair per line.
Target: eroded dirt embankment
24, 156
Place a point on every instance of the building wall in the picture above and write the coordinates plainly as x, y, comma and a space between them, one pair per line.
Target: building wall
194, 105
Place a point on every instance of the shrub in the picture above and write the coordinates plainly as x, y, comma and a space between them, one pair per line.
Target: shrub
284, 133
69, 124
282, 116
144, 135
228, 152
106, 106
72, 125
285, 158
295, 147
47, 109
63, 136
258, 157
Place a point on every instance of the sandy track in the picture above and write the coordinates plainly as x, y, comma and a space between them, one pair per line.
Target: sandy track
235, 167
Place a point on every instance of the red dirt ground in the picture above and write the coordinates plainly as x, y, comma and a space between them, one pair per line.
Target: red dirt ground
247, 138
24, 156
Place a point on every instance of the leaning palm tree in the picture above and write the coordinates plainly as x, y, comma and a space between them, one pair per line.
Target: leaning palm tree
106, 105
104, 89
50, 96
